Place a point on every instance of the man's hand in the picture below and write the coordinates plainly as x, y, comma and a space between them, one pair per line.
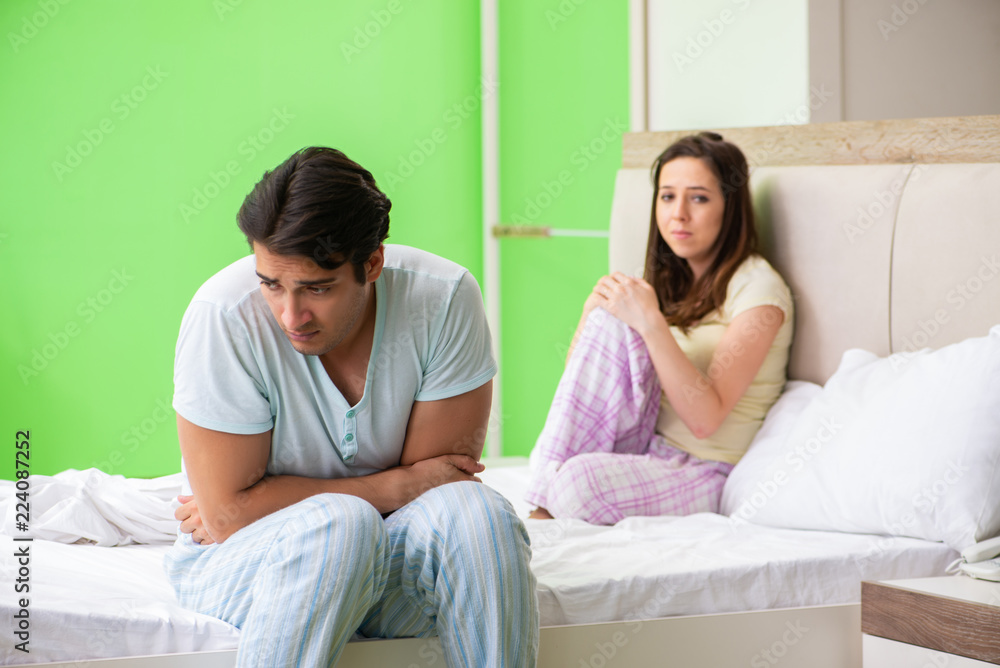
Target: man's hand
444, 438
420, 477
191, 521
436, 471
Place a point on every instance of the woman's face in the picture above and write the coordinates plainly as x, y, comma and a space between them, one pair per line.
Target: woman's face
689, 206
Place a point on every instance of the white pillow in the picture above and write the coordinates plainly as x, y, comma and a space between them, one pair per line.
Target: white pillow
907, 445
751, 479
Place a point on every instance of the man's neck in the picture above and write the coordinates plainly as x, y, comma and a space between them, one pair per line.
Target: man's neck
347, 364
359, 340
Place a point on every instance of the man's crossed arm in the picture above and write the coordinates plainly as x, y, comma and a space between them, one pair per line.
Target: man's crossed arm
443, 443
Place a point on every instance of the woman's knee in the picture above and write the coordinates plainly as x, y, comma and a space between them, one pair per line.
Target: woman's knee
606, 329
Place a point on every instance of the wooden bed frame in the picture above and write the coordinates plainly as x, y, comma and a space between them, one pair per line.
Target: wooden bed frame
817, 637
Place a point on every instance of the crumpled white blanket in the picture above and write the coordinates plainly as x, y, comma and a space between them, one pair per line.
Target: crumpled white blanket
93, 507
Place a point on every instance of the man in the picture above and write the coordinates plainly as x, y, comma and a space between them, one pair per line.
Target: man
332, 396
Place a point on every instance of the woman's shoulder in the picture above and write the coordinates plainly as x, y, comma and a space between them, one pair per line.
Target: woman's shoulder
756, 283
756, 266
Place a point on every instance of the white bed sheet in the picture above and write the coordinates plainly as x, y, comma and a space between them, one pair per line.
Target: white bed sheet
649, 567
90, 602
96, 602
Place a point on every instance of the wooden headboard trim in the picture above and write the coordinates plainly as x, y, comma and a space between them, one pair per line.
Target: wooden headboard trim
959, 139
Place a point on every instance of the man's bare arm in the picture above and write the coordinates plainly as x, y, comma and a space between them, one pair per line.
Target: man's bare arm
227, 476
456, 425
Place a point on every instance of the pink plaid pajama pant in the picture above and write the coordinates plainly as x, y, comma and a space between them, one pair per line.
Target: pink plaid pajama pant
598, 458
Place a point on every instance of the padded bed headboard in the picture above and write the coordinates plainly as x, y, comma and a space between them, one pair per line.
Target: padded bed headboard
887, 232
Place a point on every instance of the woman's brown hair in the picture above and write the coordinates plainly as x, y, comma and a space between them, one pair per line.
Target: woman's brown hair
684, 301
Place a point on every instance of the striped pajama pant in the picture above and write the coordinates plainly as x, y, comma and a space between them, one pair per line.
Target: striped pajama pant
598, 458
301, 581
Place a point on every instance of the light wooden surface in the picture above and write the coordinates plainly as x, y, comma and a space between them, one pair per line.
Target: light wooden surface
960, 139
963, 588
948, 624
882, 653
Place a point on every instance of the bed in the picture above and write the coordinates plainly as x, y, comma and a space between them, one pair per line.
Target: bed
886, 233
91, 601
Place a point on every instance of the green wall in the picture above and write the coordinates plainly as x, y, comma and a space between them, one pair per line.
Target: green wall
132, 132
564, 105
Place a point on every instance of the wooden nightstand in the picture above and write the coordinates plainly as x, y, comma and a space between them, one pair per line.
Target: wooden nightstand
949, 621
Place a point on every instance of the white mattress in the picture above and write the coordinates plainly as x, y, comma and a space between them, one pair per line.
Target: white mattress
91, 602
97, 602
649, 567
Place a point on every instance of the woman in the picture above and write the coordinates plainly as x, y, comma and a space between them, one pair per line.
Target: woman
711, 325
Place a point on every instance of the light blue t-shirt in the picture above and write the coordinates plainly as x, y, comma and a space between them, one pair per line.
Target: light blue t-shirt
235, 370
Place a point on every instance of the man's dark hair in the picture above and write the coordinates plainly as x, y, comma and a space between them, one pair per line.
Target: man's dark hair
319, 204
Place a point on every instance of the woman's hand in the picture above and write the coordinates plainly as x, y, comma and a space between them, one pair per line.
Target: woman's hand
631, 300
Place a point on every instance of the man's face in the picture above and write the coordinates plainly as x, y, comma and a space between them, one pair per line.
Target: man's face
317, 308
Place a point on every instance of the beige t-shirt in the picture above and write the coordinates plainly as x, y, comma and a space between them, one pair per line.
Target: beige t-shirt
755, 283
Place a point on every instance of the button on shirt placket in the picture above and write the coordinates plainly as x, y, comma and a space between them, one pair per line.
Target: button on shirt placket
349, 443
